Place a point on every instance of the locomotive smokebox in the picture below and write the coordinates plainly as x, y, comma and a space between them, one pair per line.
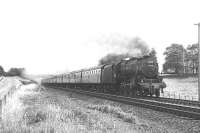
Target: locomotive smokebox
146, 66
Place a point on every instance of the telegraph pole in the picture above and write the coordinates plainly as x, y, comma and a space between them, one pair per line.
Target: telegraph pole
198, 60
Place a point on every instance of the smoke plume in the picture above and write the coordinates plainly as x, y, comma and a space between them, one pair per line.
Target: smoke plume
112, 58
122, 48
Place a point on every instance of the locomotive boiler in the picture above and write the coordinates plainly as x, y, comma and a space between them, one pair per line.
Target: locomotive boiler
135, 76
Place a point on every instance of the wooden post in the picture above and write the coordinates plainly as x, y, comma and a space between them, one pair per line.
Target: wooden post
1, 108
198, 60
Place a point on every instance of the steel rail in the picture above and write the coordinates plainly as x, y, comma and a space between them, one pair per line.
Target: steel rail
179, 110
175, 101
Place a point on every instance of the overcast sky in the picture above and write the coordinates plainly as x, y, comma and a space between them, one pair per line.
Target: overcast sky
48, 36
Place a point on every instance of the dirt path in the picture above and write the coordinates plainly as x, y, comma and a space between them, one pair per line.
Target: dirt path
50, 110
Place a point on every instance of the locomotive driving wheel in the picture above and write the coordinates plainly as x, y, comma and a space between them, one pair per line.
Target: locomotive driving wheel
125, 89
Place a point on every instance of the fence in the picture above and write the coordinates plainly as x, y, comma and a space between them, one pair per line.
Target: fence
174, 95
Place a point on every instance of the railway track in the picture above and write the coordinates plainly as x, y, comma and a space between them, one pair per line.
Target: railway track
175, 101
177, 109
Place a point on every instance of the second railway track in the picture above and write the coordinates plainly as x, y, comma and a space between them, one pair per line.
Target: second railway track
175, 101
152, 103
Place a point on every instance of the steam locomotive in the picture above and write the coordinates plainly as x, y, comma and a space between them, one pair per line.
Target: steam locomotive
135, 76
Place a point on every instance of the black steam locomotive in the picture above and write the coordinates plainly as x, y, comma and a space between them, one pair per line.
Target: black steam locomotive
135, 76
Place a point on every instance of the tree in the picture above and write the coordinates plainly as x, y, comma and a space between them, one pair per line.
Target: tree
192, 56
174, 60
15, 72
1, 71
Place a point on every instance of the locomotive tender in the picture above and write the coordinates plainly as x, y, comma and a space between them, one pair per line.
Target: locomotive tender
136, 76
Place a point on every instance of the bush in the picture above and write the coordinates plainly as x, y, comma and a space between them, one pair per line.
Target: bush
15, 72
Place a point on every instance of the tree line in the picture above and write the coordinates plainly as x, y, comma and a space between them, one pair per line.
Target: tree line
12, 72
181, 60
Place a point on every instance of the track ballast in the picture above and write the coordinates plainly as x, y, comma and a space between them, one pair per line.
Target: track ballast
177, 109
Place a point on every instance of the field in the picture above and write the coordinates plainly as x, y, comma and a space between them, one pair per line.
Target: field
183, 88
34, 109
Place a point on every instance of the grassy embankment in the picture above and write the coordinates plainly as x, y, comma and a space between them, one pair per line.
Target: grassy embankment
36, 109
